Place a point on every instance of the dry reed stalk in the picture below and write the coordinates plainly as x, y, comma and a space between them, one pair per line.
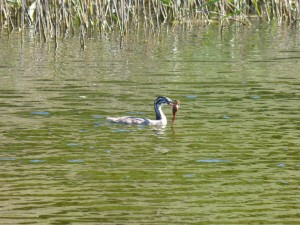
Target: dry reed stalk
62, 17
7, 20
23, 13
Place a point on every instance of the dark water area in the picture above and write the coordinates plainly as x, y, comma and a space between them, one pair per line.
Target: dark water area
232, 156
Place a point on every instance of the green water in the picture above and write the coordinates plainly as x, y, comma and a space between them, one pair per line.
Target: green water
232, 156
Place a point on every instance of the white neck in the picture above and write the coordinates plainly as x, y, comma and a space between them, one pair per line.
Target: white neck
159, 113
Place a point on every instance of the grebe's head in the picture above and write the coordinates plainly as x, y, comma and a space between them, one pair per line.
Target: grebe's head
162, 100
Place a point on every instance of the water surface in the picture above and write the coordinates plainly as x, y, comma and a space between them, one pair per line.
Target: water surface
232, 156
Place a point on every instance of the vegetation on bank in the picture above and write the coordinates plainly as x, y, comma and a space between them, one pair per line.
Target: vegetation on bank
53, 18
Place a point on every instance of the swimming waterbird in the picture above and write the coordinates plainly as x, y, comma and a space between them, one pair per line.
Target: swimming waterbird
160, 120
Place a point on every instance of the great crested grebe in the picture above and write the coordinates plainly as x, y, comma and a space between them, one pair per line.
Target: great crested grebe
160, 120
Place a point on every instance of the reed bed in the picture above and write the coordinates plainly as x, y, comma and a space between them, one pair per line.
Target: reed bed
54, 18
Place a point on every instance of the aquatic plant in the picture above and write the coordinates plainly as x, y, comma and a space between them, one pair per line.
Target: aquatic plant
52, 18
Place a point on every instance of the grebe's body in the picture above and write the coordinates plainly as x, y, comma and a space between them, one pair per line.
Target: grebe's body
160, 120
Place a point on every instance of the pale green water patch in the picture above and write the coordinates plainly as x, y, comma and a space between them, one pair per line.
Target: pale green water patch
230, 158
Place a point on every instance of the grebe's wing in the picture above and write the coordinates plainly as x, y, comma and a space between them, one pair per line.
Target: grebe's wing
129, 120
